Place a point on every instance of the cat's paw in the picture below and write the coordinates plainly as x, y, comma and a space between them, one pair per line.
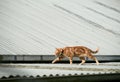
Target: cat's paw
81, 63
97, 63
53, 62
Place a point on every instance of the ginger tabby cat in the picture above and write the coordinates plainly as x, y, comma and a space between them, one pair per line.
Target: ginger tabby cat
75, 51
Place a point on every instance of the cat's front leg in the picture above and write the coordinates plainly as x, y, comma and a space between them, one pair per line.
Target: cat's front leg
57, 59
71, 60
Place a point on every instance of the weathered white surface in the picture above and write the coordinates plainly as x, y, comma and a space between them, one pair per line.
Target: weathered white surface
39, 26
47, 69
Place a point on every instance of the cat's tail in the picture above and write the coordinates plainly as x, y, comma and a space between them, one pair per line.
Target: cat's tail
94, 52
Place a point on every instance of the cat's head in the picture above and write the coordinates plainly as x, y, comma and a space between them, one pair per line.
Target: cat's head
59, 52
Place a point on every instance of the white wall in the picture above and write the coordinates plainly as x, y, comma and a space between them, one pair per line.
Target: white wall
39, 26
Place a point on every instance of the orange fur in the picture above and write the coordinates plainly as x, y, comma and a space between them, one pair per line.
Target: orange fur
78, 51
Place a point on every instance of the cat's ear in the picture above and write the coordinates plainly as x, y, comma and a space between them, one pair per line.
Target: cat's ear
57, 48
61, 49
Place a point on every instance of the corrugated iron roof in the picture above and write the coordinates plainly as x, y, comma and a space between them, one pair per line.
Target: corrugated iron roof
39, 26
57, 69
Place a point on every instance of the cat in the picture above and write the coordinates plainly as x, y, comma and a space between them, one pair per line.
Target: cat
75, 51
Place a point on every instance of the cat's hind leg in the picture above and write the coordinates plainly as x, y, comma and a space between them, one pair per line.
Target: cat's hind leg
94, 58
82, 59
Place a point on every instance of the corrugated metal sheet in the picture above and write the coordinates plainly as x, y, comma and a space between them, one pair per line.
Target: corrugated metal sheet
39, 26
57, 69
